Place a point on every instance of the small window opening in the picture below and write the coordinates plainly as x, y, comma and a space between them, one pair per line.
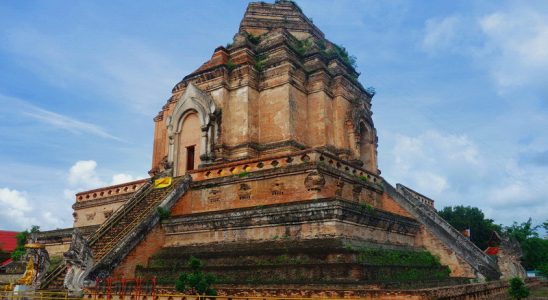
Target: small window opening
190, 158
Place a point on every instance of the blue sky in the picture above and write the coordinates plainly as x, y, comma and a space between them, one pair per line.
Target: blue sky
461, 107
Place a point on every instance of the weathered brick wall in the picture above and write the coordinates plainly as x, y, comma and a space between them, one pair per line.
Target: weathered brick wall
151, 244
448, 257
302, 220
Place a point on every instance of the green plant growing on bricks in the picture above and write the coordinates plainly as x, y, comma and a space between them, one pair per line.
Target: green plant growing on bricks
21, 237
163, 212
230, 65
397, 257
517, 289
196, 282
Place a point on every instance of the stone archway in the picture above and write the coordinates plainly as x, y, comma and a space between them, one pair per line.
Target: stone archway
188, 142
365, 145
191, 130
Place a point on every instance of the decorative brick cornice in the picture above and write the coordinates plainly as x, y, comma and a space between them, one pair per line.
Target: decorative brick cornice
110, 191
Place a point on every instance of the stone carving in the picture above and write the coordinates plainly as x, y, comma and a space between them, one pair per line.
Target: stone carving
79, 261
107, 213
37, 258
244, 192
90, 216
509, 257
214, 195
277, 188
356, 192
164, 168
339, 190
370, 197
358, 112
314, 181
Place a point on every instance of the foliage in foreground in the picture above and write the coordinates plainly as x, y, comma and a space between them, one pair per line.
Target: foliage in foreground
22, 237
534, 248
517, 289
196, 282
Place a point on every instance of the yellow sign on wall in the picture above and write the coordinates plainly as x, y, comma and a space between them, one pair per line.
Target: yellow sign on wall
163, 182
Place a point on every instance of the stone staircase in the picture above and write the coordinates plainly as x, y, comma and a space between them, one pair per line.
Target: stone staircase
113, 240
482, 264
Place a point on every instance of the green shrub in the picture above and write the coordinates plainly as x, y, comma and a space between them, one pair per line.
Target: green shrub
259, 62
196, 282
230, 65
517, 289
243, 174
397, 257
164, 213
254, 39
22, 237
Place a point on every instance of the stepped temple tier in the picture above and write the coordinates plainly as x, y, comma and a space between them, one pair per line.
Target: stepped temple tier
273, 153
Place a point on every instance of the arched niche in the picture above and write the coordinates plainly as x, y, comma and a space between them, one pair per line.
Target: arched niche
194, 121
188, 142
362, 136
366, 145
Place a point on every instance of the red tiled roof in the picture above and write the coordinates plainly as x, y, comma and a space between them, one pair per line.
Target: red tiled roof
8, 242
7, 261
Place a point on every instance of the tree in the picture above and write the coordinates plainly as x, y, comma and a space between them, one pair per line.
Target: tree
196, 282
466, 217
534, 249
523, 231
22, 237
517, 289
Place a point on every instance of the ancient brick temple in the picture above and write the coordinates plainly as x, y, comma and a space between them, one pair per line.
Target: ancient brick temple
274, 157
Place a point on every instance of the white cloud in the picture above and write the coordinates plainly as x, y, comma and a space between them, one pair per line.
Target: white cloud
440, 33
70, 124
432, 160
451, 169
52, 220
119, 68
121, 178
15, 209
24, 108
517, 42
83, 174
509, 44
430, 182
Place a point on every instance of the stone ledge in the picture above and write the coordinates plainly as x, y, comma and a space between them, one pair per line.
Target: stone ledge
57, 235
293, 213
463, 247
109, 191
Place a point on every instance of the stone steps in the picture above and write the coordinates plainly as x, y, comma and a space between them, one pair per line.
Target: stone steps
141, 207
481, 263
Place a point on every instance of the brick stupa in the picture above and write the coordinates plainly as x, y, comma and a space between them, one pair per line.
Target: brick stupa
274, 154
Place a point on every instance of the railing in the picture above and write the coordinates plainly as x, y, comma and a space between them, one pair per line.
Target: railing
103, 229
119, 213
425, 211
132, 287
130, 226
52, 275
421, 208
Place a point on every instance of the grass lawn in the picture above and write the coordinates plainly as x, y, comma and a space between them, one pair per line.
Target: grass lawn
541, 291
